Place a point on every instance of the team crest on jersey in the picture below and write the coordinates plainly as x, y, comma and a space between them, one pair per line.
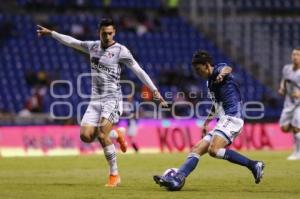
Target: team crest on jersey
109, 54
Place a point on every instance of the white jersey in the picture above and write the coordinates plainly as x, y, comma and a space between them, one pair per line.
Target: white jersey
291, 78
106, 66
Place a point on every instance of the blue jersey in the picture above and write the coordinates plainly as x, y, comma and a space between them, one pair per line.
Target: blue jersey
226, 93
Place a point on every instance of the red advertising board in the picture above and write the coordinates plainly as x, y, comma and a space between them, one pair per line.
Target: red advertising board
152, 136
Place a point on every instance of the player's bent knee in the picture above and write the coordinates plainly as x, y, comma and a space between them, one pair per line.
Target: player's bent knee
86, 135
86, 138
286, 128
212, 151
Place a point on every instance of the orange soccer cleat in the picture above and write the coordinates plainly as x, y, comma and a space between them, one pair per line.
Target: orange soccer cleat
113, 181
121, 139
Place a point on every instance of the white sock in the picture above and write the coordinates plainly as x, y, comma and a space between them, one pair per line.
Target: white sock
297, 142
113, 134
111, 157
220, 153
196, 155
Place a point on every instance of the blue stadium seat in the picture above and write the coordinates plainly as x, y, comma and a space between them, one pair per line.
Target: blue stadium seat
156, 51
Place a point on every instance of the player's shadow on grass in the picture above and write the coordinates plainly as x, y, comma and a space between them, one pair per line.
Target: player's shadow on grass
68, 184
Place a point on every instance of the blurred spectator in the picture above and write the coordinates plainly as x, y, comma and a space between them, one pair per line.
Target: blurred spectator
106, 3
34, 103
146, 93
270, 100
141, 29
80, 3
6, 31
131, 122
4, 113
156, 25
39, 81
79, 31
171, 6
37, 78
127, 23
181, 109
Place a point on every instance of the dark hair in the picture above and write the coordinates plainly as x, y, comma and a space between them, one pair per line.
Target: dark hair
297, 48
106, 22
201, 57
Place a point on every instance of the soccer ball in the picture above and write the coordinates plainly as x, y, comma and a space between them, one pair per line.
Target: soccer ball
170, 172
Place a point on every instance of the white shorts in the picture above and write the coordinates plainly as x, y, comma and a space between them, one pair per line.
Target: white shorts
290, 116
111, 110
227, 127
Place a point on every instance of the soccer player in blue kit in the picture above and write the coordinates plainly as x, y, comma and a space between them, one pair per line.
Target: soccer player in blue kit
227, 103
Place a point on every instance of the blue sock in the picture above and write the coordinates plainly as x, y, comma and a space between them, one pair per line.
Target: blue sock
189, 165
237, 158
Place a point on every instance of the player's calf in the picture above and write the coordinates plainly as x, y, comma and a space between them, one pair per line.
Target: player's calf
121, 139
104, 139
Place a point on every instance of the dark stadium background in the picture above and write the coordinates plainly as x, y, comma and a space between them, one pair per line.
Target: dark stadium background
255, 37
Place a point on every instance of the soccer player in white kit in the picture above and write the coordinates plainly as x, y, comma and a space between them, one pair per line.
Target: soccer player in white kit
105, 107
290, 88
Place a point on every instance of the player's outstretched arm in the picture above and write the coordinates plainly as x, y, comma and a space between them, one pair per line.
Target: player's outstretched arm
209, 118
224, 71
281, 89
127, 59
42, 31
157, 96
143, 76
64, 39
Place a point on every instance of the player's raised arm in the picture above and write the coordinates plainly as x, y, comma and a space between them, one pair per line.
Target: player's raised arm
281, 89
127, 59
64, 39
223, 72
209, 118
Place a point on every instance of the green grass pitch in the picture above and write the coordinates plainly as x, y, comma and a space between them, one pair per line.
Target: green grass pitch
85, 176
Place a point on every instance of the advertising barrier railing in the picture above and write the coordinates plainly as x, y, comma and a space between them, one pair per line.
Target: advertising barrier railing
151, 136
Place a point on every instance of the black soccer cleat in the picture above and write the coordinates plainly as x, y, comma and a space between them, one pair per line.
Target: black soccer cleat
258, 171
170, 183
156, 179
161, 181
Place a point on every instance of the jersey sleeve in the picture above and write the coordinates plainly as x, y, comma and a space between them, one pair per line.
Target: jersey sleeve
87, 45
218, 68
284, 71
126, 58
69, 41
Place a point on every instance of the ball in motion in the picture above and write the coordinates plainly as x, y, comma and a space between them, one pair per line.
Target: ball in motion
170, 172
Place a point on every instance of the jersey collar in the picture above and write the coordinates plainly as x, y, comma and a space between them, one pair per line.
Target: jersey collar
107, 46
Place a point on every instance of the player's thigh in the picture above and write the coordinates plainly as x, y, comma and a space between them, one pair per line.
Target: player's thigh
92, 115
201, 147
228, 128
296, 119
217, 142
105, 126
286, 118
